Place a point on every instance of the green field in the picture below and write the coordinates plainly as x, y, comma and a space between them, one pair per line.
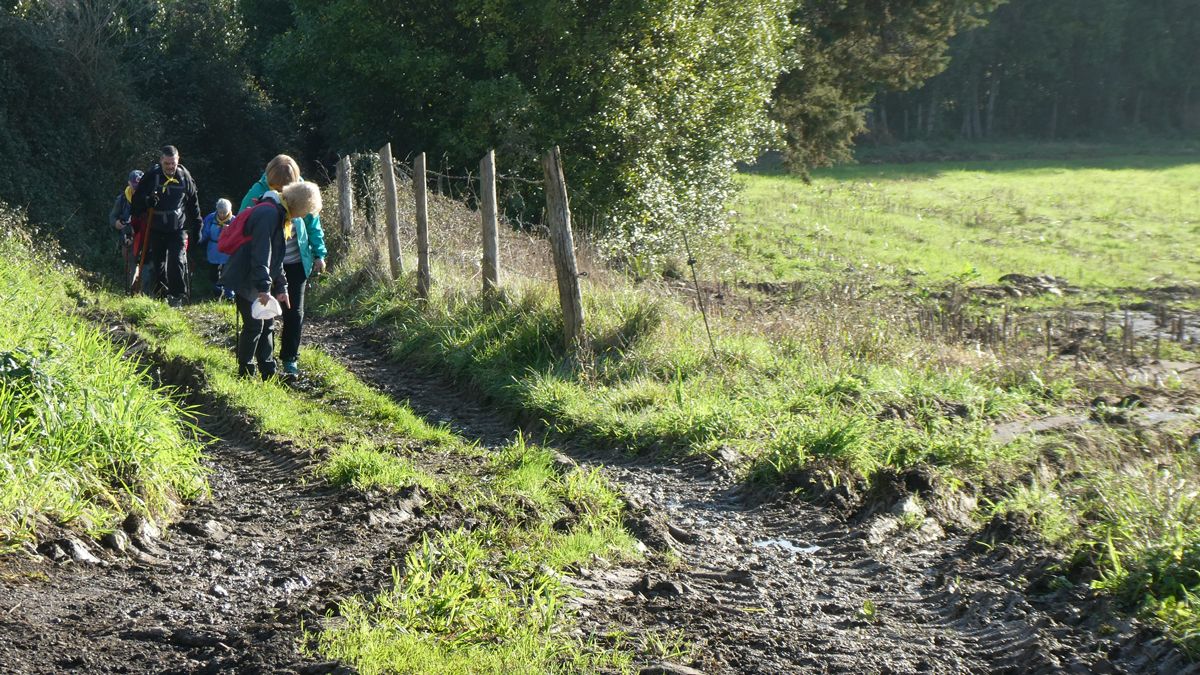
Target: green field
1118, 222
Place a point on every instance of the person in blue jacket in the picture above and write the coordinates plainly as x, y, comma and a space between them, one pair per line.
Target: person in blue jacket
210, 234
304, 256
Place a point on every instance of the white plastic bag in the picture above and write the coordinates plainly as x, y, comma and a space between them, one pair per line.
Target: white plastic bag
262, 312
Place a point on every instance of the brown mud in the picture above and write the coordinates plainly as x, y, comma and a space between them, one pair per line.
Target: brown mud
754, 587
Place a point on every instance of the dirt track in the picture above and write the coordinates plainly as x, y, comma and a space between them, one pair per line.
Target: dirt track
757, 587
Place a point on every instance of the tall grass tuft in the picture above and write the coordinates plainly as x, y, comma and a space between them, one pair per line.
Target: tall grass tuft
84, 438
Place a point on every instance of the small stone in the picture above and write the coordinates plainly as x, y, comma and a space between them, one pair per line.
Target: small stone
78, 551
209, 529
143, 528
219, 591
117, 541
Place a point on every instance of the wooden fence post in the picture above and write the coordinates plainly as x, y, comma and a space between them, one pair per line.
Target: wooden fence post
393, 214
420, 188
345, 196
488, 212
558, 212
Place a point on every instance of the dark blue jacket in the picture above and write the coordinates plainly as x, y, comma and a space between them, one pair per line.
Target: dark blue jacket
257, 267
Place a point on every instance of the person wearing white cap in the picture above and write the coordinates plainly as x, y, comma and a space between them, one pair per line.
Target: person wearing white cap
210, 233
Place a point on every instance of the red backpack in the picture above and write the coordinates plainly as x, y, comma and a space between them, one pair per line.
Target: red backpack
234, 234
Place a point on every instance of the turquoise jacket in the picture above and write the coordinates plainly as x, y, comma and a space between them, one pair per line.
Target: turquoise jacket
309, 235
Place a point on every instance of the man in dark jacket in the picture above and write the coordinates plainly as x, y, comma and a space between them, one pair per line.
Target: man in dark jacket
168, 191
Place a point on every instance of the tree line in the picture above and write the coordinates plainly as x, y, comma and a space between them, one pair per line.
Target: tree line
653, 102
1059, 69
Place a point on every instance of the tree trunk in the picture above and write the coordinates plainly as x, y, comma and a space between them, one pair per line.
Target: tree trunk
993, 93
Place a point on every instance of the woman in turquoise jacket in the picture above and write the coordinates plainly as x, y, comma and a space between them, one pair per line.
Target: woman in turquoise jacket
304, 256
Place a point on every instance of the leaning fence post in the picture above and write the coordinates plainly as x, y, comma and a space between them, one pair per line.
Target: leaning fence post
558, 216
393, 215
420, 196
345, 196
491, 239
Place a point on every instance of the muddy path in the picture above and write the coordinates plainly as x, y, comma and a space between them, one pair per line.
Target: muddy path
775, 588
226, 589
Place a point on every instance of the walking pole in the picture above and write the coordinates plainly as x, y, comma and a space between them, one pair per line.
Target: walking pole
136, 284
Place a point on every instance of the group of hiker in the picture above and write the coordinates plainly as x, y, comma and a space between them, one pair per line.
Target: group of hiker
260, 257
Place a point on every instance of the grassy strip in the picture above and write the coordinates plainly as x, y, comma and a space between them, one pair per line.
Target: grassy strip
1132, 532
493, 595
485, 598
356, 453
84, 437
844, 391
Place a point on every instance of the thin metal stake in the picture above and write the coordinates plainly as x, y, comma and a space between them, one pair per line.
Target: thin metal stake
691, 261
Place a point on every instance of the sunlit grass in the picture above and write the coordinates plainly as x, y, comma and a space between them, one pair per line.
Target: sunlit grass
84, 436
1103, 224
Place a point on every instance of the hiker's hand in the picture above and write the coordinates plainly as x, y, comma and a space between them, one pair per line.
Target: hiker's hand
284, 301
118, 225
318, 265
264, 298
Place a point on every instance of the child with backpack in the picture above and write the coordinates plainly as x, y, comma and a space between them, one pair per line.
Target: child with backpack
210, 233
254, 242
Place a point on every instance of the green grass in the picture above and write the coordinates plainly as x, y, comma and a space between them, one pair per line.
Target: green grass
351, 423
84, 436
1126, 512
1113, 222
493, 598
648, 381
488, 598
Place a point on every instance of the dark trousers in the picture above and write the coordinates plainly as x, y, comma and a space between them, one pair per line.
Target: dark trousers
293, 315
214, 275
165, 252
254, 342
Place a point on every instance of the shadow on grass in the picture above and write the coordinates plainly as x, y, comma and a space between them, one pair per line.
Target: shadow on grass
929, 160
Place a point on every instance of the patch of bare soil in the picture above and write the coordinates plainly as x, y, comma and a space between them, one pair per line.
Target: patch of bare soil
792, 587
223, 590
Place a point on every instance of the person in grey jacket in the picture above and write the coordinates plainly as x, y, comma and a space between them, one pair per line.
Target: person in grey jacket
255, 271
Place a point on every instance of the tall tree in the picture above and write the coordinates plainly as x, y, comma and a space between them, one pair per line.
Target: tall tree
849, 50
652, 101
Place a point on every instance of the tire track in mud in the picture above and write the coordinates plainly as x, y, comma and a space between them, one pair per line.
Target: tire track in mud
225, 589
792, 588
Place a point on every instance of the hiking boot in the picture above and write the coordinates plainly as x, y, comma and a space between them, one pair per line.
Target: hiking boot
245, 370
266, 370
290, 368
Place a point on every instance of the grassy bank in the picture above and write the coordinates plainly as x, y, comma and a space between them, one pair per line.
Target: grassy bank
1123, 507
487, 594
1103, 223
84, 436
